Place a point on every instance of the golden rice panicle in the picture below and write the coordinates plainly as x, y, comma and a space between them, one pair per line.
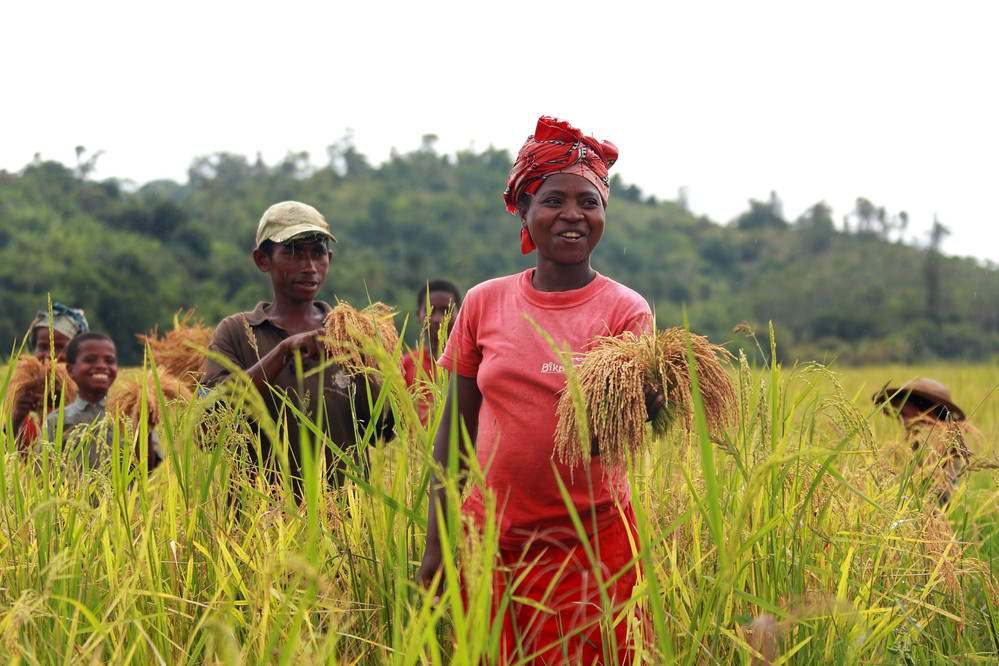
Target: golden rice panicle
745, 386
612, 379
347, 330
178, 352
671, 372
943, 552
387, 335
764, 441
670, 369
340, 342
712, 363
125, 395
30, 374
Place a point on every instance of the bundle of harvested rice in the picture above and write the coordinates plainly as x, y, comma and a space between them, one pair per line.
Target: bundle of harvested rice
125, 395
178, 352
30, 374
348, 330
612, 379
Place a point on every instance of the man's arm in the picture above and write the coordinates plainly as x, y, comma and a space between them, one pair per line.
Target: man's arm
268, 366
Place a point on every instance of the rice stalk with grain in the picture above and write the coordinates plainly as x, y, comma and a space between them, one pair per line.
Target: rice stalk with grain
178, 352
125, 396
30, 374
347, 331
612, 378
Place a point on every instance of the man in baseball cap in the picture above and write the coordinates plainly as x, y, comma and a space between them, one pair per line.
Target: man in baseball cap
293, 249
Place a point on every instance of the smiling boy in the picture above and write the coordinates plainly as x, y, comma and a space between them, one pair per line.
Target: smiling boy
92, 362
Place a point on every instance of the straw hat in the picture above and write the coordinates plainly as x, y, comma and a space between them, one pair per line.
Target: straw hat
929, 394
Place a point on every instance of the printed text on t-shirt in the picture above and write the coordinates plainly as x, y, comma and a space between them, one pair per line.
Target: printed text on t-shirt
556, 368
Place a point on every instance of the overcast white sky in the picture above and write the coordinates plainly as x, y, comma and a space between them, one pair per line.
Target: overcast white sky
897, 102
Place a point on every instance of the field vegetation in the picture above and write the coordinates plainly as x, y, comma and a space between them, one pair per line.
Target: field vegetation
797, 536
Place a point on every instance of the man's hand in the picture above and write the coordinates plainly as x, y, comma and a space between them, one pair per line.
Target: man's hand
26, 401
654, 400
307, 342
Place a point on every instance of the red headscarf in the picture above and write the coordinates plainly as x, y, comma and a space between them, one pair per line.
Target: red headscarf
557, 147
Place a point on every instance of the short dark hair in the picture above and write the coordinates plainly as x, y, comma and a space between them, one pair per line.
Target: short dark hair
438, 284
267, 247
74, 345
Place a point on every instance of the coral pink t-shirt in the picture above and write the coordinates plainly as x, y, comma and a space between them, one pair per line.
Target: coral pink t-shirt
521, 378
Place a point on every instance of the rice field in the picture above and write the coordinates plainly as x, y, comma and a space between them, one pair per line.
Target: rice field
795, 536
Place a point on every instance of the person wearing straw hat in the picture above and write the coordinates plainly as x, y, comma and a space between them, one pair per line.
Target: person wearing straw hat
566, 558
48, 337
292, 247
935, 429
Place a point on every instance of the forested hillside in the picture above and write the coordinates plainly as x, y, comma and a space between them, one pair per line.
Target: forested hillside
132, 255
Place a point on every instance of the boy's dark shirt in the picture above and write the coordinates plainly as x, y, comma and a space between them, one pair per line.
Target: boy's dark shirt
343, 397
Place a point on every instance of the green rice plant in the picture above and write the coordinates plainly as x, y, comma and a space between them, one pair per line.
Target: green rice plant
791, 537
814, 533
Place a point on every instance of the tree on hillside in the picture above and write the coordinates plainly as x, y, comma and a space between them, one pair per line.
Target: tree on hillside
763, 215
133, 258
344, 159
931, 270
816, 227
876, 221
85, 167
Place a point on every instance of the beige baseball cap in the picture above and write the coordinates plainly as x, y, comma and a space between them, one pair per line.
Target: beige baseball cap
288, 219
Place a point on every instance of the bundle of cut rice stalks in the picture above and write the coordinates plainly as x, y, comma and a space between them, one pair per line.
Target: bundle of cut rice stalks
178, 352
125, 395
612, 380
348, 331
30, 374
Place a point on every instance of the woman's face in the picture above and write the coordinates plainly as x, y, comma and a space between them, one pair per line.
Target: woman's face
43, 348
565, 219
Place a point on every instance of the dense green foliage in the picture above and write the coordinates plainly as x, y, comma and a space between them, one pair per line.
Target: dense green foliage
798, 537
133, 256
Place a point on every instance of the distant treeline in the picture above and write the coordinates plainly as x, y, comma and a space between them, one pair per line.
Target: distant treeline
133, 255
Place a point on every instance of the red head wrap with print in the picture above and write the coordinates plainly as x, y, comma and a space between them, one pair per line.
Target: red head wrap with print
557, 147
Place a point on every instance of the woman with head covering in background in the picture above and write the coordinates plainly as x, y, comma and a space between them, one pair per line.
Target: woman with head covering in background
48, 336
506, 381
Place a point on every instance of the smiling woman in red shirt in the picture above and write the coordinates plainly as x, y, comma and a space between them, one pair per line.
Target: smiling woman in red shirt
506, 381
